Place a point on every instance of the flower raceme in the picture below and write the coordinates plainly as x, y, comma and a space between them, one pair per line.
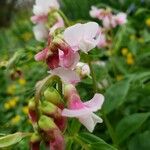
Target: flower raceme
108, 19
41, 10
83, 111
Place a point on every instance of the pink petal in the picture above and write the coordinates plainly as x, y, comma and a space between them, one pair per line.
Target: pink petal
67, 76
41, 55
72, 35
95, 103
121, 18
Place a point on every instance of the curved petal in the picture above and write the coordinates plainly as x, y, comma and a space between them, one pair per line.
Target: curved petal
72, 35
67, 76
95, 103
76, 112
88, 122
96, 119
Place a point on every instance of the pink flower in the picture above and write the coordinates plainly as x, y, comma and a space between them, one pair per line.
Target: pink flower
59, 55
41, 10
121, 18
82, 36
58, 24
83, 111
94, 12
40, 32
66, 75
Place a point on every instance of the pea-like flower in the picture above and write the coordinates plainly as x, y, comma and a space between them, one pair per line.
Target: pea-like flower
83, 110
82, 36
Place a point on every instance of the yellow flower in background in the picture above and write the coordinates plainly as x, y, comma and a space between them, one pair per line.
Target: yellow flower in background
124, 51
26, 36
25, 109
147, 22
119, 77
15, 119
7, 106
11, 103
130, 59
11, 89
22, 81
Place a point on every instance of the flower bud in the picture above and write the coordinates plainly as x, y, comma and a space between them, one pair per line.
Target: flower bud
32, 110
52, 95
53, 111
46, 123
35, 141
83, 69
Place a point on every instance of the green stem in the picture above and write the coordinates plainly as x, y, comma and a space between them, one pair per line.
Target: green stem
64, 17
111, 131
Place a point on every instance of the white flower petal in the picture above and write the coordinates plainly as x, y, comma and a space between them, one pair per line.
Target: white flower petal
40, 32
88, 122
73, 34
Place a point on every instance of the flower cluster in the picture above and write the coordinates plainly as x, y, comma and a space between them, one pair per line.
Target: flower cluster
62, 56
109, 21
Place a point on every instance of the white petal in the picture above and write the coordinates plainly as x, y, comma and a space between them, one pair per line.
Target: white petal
67, 76
88, 122
95, 103
40, 32
96, 119
72, 35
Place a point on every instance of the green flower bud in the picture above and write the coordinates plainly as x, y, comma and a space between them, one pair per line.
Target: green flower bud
48, 108
46, 123
35, 138
52, 95
31, 104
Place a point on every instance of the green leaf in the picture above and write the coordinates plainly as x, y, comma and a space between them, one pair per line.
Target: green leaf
11, 139
94, 142
129, 125
115, 95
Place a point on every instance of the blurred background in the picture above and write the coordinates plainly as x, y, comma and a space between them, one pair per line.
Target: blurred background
19, 72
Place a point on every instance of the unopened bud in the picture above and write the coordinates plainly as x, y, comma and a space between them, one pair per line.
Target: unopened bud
83, 69
32, 110
35, 141
48, 108
46, 123
53, 111
52, 95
